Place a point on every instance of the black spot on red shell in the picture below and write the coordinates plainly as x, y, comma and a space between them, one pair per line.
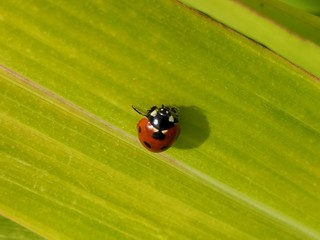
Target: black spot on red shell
147, 144
158, 135
164, 148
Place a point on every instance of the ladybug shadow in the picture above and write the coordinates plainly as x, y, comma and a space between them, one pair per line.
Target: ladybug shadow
194, 125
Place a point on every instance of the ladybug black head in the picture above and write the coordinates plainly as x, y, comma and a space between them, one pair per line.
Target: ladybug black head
163, 117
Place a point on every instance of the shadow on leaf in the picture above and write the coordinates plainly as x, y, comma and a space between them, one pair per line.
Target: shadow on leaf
194, 127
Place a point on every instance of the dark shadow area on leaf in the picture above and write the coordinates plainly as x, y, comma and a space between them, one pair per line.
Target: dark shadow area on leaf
194, 127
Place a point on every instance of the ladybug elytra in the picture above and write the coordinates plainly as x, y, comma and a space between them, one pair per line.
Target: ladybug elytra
159, 129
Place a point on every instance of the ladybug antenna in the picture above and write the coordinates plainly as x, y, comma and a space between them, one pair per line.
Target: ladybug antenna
138, 111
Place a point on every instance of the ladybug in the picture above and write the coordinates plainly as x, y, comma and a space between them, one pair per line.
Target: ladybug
158, 130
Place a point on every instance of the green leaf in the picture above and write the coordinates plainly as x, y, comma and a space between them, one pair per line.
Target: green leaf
11, 230
312, 6
246, 165
291, 33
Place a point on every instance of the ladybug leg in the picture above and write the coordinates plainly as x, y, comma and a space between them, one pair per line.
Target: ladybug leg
143, 113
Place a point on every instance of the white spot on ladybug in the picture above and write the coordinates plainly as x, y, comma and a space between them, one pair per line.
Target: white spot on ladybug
155, 121
153, 113
164, 131
171, 119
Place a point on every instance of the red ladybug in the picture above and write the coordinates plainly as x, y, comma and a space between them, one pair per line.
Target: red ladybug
158, 131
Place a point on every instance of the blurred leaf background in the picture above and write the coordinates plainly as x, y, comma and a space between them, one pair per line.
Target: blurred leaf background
246, 165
